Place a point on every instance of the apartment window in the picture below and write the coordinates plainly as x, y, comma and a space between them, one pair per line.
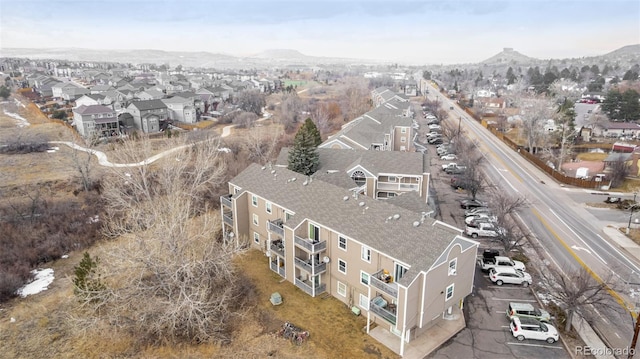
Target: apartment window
364, 302
364, 278
392, 179
256, 220
287, 215
359, 177
268, 206
342, 266
400, 271
403, 130
403, 139
449, 292
366, 254
342, 243
342, 289
236, 190
256, 237
254, 200
453, 264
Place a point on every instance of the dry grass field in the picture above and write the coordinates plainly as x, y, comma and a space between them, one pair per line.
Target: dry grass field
52, 324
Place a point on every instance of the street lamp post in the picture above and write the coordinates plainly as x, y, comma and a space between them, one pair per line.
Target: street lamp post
633, 207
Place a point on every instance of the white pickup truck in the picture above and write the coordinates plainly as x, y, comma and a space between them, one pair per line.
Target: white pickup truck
483, 229
499, 261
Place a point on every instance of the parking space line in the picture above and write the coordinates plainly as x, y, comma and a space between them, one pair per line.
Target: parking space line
536, 345
515, 300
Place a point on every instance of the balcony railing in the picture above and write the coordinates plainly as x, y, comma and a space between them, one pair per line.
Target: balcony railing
310, 267
276, 227
226, 200
277, 247
274, 267
383, 313
309, 245
228, 219
389, 288
307, 288
398, 186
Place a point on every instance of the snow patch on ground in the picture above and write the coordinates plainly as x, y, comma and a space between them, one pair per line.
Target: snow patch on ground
43, 277
224, 149
65, 256
18, 103
546, 298
20, 121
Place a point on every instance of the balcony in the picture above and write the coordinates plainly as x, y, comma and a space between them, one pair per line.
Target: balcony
277, 247
274, 267
276, 227
310, 267
395, 186
307, 288
228, 219
310, 246
376, 281
226, 200
384, 310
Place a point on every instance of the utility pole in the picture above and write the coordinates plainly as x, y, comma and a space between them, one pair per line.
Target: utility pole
633, 207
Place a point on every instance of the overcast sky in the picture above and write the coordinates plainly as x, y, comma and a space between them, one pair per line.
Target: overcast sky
419, 32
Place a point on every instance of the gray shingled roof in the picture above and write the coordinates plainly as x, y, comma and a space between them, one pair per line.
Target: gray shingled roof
93, 109
371, 223
148, 104
408, 163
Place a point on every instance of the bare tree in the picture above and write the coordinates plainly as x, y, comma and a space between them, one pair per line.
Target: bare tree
82, 163
173, 278
291, 108
575, 291
245, 119
250, 101
320, 115
535, 113
619, 171
262, 143
471, 158
355, 98
504, 207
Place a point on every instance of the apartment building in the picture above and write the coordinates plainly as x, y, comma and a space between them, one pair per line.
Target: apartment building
383, 94
402, 270
388, 127
379, 175
95, 120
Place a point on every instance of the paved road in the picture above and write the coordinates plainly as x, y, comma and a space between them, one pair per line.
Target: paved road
566, 232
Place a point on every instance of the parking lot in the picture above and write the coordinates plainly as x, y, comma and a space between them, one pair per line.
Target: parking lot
487, 334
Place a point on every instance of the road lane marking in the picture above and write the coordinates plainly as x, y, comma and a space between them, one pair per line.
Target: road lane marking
613, 293
505, 178
576, 234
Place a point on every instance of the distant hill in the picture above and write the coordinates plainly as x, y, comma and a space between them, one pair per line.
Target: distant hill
509, 56
269, 58
624, 51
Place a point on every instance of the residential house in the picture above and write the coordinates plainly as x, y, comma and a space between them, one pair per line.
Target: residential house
181, 109
95, 120
149, 94
385, 128
217, 91
404, 271
148, 115
100, 89
618, 129
89, 99
410, 89
68, 91
376, 174
44, 85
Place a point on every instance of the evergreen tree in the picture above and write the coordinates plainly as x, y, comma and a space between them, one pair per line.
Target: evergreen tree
87, 282
303, 156
4, 92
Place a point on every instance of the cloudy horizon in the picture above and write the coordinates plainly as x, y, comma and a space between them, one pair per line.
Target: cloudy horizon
426, 32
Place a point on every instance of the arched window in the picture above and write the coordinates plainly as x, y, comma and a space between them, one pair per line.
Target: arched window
359, 177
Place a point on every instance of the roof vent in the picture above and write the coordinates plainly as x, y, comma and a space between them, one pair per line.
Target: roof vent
416, 223
361, 204
273, 171
293, 179
396, 216
305, 183
263, 168
345, 198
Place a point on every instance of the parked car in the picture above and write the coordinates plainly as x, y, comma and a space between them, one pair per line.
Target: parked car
528, 328
477, 210
449, 157
480, 217
526, 310
434, 127
472, 203
509, 275
435, 141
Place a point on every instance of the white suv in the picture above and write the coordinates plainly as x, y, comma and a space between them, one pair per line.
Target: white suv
529, 328
500, 275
